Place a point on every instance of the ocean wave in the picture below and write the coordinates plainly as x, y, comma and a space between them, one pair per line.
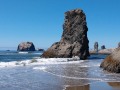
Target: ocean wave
39, 61
43, 68
39, 68
23, 52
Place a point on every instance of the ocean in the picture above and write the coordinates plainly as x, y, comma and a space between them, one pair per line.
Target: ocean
7, 56
27, 71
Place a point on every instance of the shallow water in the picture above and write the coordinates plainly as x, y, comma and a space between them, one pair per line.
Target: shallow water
19, 72
97, 86
7, 56
55, 76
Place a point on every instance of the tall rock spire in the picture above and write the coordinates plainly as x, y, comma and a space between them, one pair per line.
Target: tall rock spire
74, 41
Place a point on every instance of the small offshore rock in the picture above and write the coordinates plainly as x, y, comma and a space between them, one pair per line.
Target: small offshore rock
26, 46
39, 49
103, 47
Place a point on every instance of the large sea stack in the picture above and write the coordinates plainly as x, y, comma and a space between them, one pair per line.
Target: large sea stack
26, 46
74, 41
112, 62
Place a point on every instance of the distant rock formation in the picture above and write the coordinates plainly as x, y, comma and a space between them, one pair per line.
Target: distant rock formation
40, 49
112, 62
26, 46
106, 51
103, 51
119, 45
103, 47
74, 41
96, 46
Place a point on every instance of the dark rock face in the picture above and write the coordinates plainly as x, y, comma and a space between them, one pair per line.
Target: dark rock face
103, 47
112, 62
74, 41
26, 46
96, 46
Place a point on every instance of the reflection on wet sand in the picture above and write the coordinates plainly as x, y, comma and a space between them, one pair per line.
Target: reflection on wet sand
85, 87
114, 84
74, 72
97, 86
77, 76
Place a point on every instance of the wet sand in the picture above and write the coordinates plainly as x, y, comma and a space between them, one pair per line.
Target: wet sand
83, 75
97, 86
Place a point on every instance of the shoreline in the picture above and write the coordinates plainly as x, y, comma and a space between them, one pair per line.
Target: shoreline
100, 53
57, 76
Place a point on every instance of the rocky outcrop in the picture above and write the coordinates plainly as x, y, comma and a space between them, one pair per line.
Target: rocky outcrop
26, 46
112, 62
92, 52
74, 41
106, 51
102, 51
96, 46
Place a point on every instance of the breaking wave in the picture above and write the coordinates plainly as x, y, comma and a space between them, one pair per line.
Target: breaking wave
39, 61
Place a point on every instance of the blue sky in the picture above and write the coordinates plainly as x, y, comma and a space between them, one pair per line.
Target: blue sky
40, 21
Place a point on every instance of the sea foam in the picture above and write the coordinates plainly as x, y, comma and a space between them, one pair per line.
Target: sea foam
39, 61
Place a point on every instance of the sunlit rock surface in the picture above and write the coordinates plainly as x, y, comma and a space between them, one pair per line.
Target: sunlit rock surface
74, 41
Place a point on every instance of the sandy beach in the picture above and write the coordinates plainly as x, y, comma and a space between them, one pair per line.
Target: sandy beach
97, 86
60, 75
